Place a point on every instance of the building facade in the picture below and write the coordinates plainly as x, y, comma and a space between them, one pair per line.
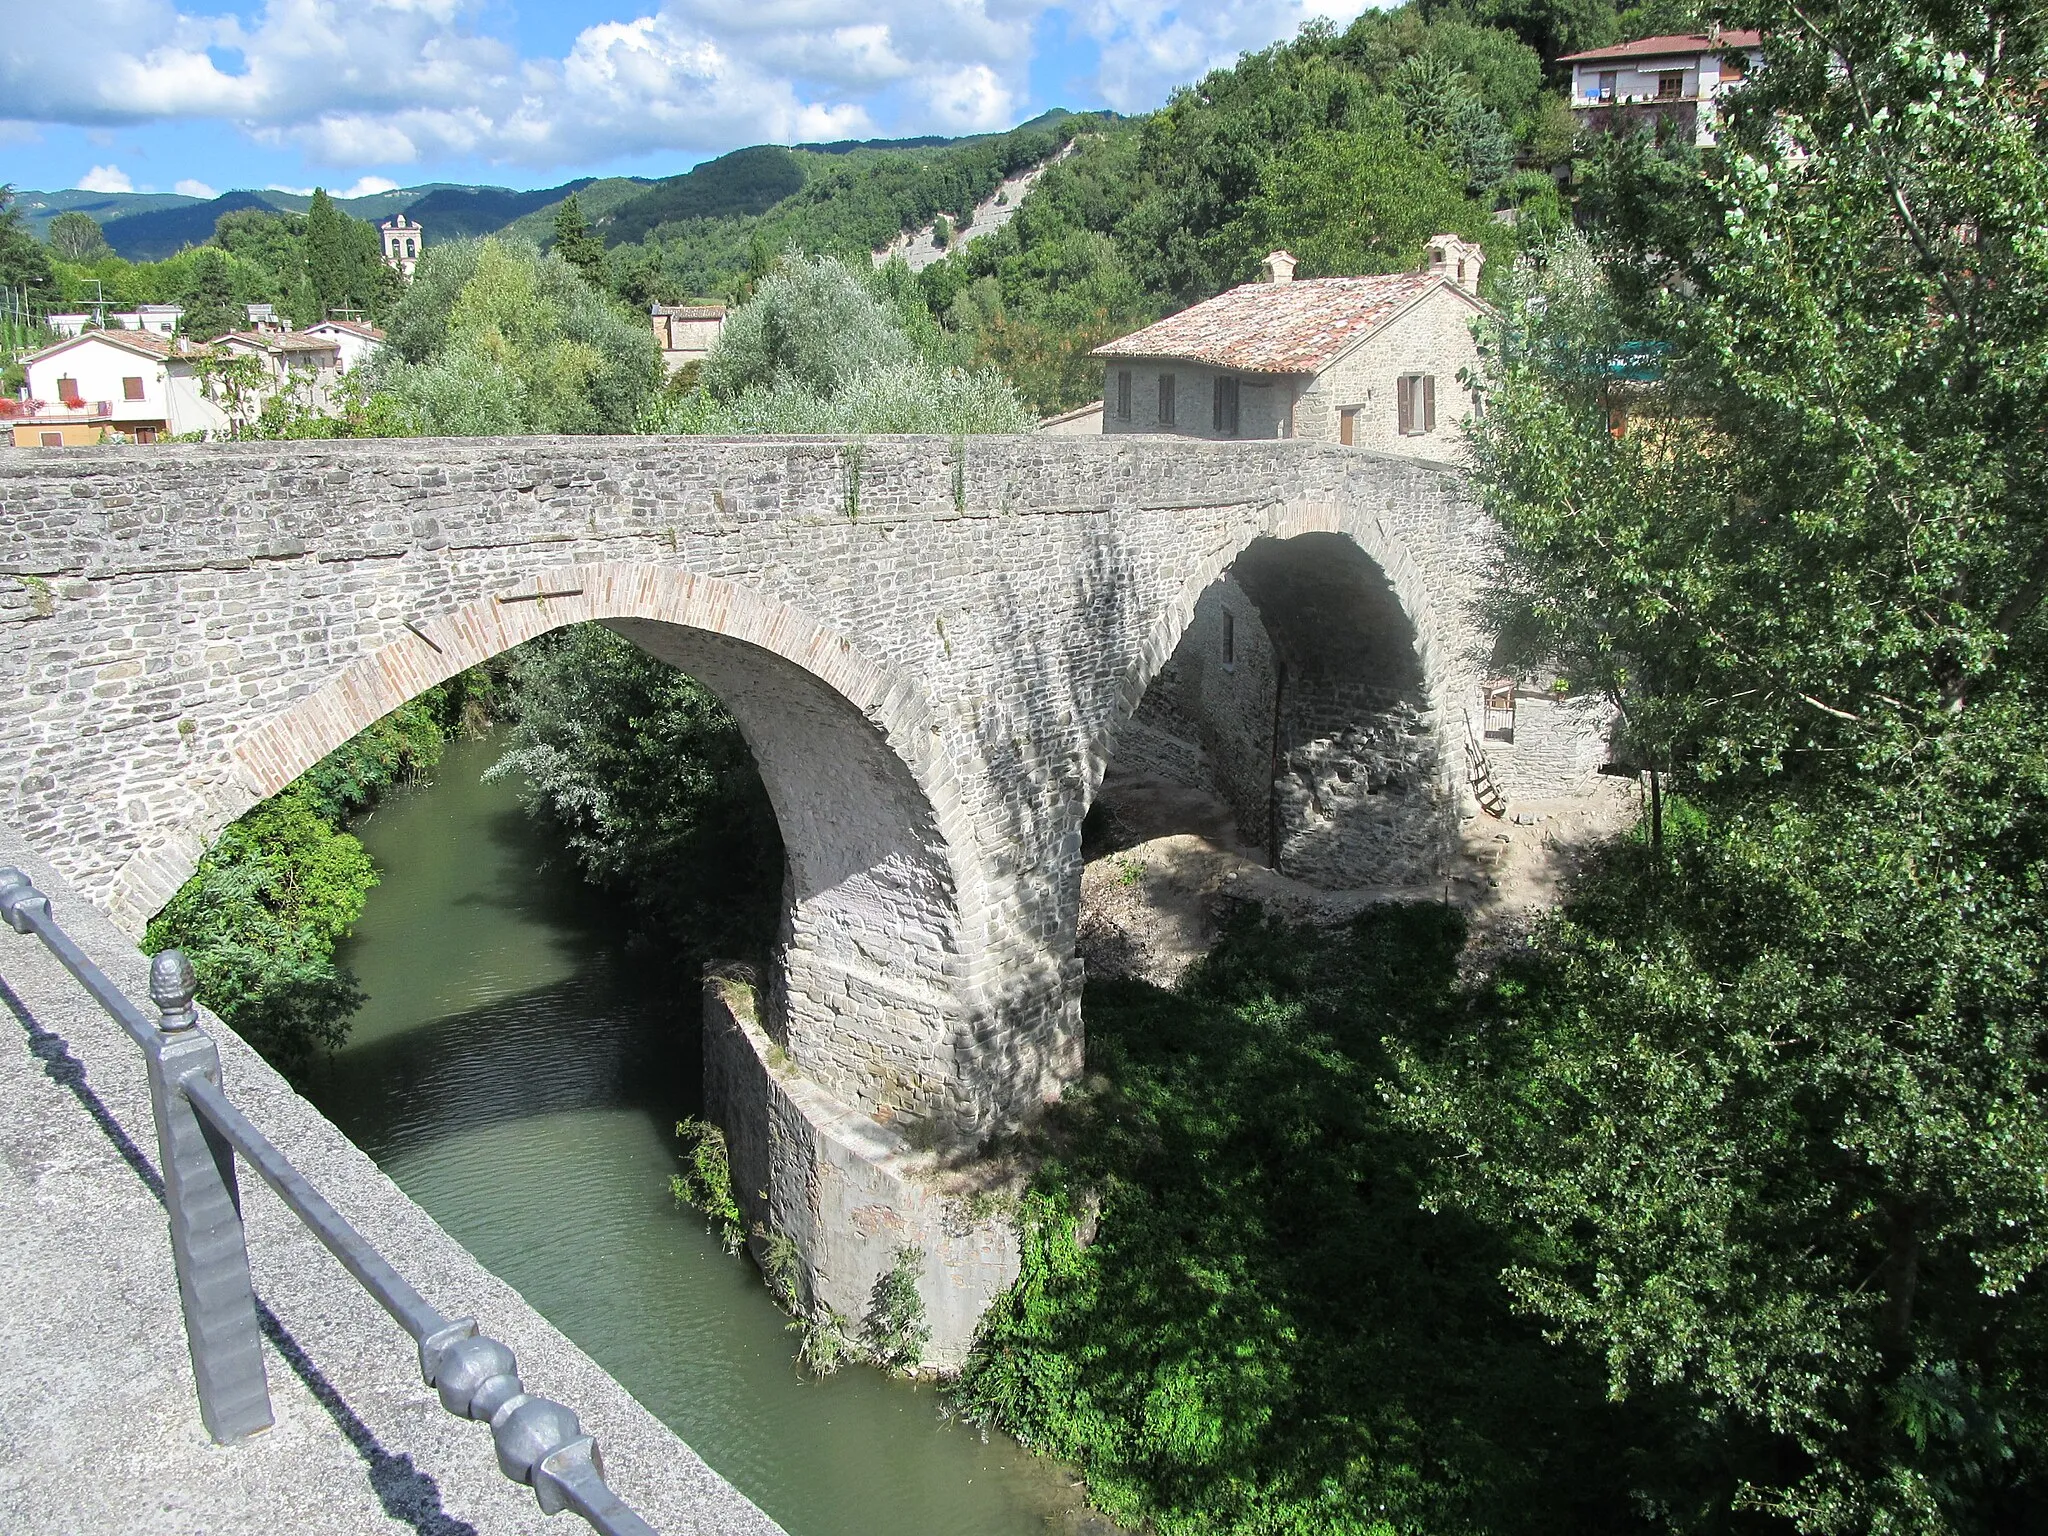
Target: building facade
1369, 362
1672, 78
102, 385
686, 333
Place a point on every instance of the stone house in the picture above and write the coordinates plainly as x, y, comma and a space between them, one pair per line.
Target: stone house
1373, 362
686, 332
1678, 77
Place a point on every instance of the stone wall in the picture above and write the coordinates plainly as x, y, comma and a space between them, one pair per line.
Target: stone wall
1433, 337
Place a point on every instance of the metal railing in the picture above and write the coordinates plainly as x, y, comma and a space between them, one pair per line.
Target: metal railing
199, 1132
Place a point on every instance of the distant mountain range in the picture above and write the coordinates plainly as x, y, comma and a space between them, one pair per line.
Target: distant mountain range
148, 226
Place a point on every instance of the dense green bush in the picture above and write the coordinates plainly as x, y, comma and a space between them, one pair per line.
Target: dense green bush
261, 915
493, 338
825, 347
1267, 1332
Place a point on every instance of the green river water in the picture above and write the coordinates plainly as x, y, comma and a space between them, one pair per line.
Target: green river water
517, 1074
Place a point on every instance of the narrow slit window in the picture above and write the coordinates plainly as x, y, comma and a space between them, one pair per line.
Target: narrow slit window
1224, 415
1166, 399
1123, 394
1230, 639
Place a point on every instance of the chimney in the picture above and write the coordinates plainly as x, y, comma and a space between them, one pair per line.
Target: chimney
1280, 268
1456, 261
1713, 34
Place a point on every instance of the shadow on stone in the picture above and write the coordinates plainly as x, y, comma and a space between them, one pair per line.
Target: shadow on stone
406, 1493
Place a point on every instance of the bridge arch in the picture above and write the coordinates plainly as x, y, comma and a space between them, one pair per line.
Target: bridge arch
869, 995
1352, 683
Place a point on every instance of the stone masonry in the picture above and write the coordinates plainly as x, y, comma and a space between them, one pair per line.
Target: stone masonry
932, 646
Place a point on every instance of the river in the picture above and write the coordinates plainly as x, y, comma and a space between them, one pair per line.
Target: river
517, 1074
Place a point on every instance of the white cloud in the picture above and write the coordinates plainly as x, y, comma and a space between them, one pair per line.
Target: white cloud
105, 178
191, 188
368, 186
1148, 48
390, 83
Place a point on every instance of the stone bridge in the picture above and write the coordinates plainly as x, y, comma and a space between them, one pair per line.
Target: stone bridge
933, 646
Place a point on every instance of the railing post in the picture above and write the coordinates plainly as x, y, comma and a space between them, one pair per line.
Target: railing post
205, 1206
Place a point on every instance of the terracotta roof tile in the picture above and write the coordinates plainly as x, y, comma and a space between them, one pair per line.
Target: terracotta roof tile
1297, 327
1666, 47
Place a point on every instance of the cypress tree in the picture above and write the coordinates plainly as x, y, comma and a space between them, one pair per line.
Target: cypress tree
330, 261
575, 244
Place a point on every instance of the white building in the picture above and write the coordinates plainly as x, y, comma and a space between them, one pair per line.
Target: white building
1677, 77
1368, 361
402, 242
102, 384
353, 340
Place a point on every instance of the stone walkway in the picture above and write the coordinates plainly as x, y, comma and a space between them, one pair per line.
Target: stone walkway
99, 1431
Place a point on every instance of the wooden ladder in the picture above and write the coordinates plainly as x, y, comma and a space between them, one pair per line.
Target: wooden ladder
1479, 774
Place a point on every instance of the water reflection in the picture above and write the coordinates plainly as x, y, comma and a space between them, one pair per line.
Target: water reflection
518, 1070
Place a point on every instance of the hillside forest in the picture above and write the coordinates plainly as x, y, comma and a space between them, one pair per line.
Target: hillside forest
1716, 1202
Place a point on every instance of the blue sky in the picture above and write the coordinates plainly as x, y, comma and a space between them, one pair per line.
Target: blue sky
358, 95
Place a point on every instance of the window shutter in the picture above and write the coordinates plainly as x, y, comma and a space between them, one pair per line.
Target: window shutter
1166, 399
1216, 415
131, 389
1123, 395
1347, 426
1404, 405
1429, 402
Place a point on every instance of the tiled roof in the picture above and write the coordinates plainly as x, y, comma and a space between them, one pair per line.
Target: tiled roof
369, 332
691, 311
1297, 327
279, 341
1665, 47
149, 343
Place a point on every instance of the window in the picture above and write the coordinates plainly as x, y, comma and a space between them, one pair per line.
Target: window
1123, 394
53, 439
1670, 87
1224, 415
1230, 639
1733, 68
131, 389
67, 391
1347, 425
1166, 399
145, 434
1609, 79
1415, 404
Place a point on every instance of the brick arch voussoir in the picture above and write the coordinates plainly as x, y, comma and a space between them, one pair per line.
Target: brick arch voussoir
1283, 520
271, 754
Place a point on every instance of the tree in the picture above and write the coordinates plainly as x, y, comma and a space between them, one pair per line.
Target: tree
1770, 1088
330, 260
1365, 200
813, 324
236, 382
575, 244
492, 338
23, 261
76, 236
209, 297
